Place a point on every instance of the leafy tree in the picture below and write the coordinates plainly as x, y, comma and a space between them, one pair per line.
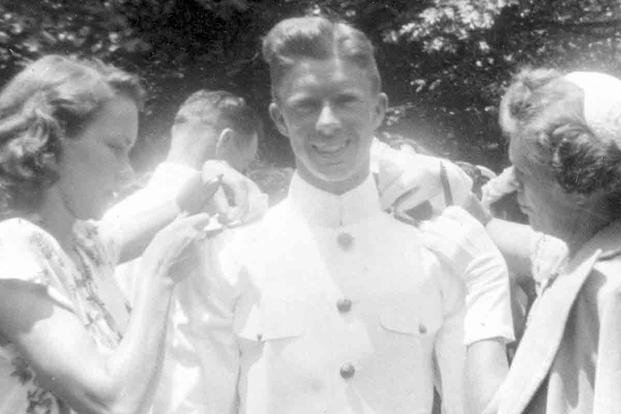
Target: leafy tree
444, 62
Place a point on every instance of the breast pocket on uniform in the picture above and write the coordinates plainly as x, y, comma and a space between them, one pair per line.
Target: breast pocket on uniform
273, 319
282, 318
408, 321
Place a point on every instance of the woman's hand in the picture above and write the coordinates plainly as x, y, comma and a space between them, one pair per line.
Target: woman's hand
239, 200
171, 246
406, 180
194, 195
498, 187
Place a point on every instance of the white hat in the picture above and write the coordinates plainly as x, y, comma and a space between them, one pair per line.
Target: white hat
602, 103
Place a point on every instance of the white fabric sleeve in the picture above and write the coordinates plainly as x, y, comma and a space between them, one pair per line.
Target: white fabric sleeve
201, 367
463, 243
161, 188
159, 191
449, 348
29, 254
450, 355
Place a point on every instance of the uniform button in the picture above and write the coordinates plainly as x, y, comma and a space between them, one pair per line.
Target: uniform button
345, 240
343, 305
422, 329
347, 371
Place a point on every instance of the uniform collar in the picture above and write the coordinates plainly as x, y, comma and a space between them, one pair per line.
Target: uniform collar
331, 210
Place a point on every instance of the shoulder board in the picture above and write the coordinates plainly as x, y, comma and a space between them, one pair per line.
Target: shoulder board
610, 254
404, 218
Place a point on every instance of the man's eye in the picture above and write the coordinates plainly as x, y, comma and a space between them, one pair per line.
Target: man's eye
305, 106
347, 100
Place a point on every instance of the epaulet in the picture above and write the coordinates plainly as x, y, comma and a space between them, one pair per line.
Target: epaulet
414, 216
442, 244
404, 218
609, 254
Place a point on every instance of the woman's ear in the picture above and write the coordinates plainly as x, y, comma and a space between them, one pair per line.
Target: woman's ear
591, 201
278, 118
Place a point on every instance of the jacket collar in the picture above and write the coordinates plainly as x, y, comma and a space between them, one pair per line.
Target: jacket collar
547, 321
608, 240
331, 210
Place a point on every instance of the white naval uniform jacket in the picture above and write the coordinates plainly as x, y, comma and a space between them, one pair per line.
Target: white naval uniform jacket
327, 305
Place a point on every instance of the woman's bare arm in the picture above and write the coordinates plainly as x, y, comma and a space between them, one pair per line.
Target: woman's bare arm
64, 356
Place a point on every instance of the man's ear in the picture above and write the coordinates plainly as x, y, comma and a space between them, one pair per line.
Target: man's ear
225, 139
380, 109
278, 118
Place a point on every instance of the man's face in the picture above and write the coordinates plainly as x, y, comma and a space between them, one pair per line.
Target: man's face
329, 110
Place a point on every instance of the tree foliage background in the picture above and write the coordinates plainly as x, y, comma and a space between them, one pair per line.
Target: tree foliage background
444, 62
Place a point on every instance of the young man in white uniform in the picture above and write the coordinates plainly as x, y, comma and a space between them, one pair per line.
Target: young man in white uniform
328, 304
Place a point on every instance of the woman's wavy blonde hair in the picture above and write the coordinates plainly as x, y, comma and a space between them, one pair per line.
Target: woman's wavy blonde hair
49, 101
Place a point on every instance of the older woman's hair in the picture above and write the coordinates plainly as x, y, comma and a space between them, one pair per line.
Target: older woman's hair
543, 106
49, 101
319, 38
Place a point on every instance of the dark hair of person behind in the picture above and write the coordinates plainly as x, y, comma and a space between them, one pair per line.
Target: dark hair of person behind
49, 101
541, 105
221, 109
319, 38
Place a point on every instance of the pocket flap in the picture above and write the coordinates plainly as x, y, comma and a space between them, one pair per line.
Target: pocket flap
282, 319
272, 319
403, 321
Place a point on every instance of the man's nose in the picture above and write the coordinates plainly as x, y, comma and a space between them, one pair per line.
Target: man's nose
328, 121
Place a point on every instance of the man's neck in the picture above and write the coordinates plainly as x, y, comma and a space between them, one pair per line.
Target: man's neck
334, 187
331, 209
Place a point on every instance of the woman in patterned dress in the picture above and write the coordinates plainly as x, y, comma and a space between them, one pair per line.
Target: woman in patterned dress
67, 340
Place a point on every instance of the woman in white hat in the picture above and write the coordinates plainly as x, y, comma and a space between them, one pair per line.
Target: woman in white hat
565, 146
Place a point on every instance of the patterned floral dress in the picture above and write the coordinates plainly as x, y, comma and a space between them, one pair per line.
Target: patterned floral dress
28, 253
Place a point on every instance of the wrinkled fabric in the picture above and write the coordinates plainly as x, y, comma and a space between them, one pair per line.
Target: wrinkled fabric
28, 253
569, 359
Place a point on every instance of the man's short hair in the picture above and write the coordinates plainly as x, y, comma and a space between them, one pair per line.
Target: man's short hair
319, 38
220, 110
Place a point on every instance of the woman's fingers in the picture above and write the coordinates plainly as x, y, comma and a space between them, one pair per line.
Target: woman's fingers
239, 199
196, 193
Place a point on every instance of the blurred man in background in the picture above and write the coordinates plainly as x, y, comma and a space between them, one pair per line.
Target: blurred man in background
210, 128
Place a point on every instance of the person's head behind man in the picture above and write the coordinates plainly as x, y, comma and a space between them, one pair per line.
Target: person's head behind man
216, 125
327, 98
